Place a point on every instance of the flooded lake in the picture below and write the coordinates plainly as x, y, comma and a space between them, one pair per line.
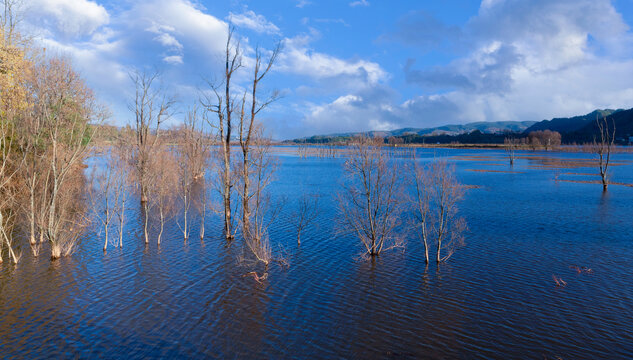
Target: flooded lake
495, 298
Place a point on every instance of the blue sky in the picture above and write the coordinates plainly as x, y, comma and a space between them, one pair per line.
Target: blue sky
359, 64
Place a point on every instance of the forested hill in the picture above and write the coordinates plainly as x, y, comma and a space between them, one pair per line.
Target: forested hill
572, 124
621, 119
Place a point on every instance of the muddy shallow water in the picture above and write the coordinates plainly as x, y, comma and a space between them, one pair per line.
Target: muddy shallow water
495, 298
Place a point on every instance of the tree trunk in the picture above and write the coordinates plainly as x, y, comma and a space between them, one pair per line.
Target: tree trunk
162, 223
145, 221
246, 215
439, 249
121, 224
185, 232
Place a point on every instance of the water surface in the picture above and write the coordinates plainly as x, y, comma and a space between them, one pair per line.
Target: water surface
495, 298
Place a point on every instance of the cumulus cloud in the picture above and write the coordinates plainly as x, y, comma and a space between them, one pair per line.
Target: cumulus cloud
253, 21
525, 60
69, 18
298, 58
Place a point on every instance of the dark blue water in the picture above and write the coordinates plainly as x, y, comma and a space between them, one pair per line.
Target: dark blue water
495, 298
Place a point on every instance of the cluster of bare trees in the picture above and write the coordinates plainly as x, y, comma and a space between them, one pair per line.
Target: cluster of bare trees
249, 172
546, 139
374, 201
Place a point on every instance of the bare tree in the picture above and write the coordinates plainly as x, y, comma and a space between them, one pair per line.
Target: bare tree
102, 194
193, 154
262, 211
222, 104
370, 202
121, 160
307, 211
421, 200
544, 138
446, 192
511, 144
151, 109
247, 129
163, 175
603, 148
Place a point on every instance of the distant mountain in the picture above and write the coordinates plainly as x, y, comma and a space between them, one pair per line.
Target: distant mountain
578, 129
572, 124
492, 127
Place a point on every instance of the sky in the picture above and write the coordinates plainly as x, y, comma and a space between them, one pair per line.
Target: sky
356, 65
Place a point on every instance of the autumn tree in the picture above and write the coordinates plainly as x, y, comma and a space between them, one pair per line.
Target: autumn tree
66, 108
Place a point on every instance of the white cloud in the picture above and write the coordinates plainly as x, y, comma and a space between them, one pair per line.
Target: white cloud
70, 18
359, 3
303, 3
298, 58
253, 21
173, 59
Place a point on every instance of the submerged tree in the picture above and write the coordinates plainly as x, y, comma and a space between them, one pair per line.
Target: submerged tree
7, 191
307, 211
222, 103
603, 147
151, 109
248, 132
192, 156
511, 144
164, 179
370, 202
421, 200
66, 108
445, 193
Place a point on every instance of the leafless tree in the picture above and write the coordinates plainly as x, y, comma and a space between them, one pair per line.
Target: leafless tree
102, 194
544, 138
163, 174
307, 211
511, 144
421, 200
247, 128
262, 211
603, 147
370, 202
193, 154
121, 160
151, 109
446, 192
223, 104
